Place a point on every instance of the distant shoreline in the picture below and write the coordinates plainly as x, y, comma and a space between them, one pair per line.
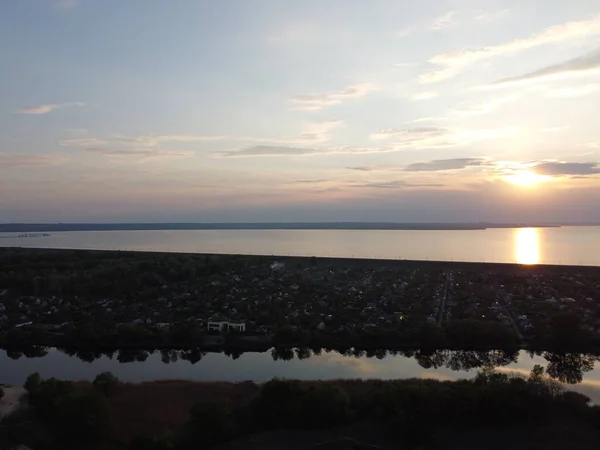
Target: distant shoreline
54, 227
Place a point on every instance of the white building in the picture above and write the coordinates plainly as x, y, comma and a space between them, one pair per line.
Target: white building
240, 327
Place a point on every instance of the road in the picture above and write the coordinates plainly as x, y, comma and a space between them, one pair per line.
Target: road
444, 297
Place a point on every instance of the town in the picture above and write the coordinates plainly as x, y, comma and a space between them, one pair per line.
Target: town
83, 297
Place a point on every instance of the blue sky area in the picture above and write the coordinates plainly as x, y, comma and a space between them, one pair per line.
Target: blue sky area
264, 110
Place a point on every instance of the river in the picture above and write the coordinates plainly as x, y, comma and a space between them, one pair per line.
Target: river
260, 367
564, 245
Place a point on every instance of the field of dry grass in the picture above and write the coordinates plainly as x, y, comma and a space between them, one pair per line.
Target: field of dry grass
159, 407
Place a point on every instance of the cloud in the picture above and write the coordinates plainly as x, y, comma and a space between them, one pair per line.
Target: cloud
575, 66
361, 168
484, 107
11, 161
444, 21
410, 133
427, 119
275, 150
142, 153
446, 164
313, 133
439, 23
44, 109
574, 91
267, 150
85, 142
436, 137
317, 101
394, 184
453, 62
383, 168
492, 16
425, 95
554, 129
555, 168
156, 139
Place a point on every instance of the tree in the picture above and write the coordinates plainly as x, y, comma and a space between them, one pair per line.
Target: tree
1, 392
33, 382
105, 382
209, 424
537, 374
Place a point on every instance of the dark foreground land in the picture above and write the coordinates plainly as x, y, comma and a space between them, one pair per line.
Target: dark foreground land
99, 300
491, 411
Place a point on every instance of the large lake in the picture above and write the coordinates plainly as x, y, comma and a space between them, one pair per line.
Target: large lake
564, 245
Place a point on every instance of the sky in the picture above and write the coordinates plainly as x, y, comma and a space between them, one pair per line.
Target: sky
320, 110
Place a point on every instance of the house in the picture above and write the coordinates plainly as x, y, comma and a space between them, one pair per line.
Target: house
223, 326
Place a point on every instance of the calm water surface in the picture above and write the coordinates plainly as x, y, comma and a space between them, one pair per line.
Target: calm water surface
565, 245
260, 367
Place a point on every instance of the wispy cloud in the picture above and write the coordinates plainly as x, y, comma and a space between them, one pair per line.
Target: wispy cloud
410, 133
428, 119
142, 153
276, 150
392, 184
44, 109
492, 16
436, 137
11, 161
315, 101
444, 21
400, 139
554, 129
556, 168
447, 164
575, 66
453, 62
573, 91
425, 95
153, 145
485, 106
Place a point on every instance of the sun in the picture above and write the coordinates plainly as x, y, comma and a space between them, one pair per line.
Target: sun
526, 178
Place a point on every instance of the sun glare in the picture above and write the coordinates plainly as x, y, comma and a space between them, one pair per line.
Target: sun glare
526, 178
527, 249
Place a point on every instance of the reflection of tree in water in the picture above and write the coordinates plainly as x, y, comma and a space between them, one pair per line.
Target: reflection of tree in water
568, 367
430, 358
87, 356
192, 356
14, 354
464, 360
126, 356
35, 351
284, 354
169, 356
234, 354
303, 353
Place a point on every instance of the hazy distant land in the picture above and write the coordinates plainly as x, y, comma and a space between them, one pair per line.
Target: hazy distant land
49, 227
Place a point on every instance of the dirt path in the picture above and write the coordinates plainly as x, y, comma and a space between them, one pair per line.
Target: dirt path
11, 400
